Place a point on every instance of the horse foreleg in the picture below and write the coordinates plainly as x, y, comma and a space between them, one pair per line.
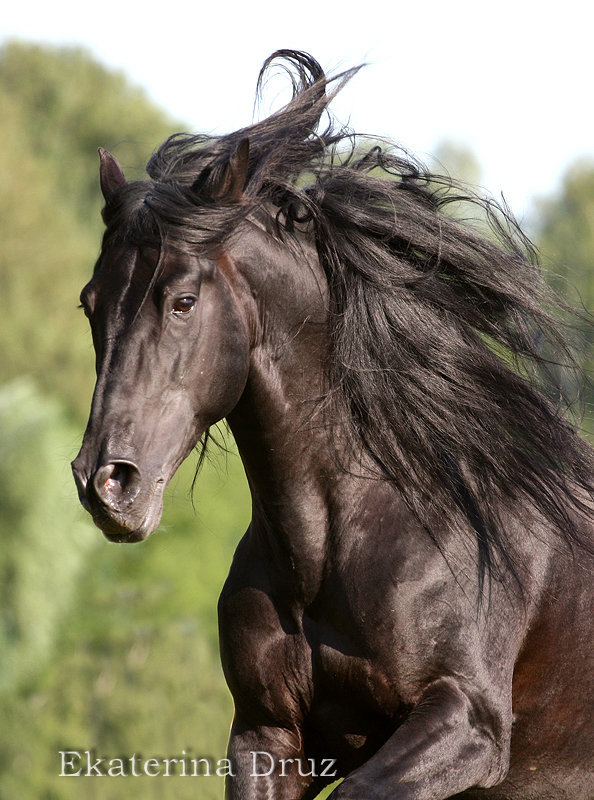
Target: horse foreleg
268, 763
450, 742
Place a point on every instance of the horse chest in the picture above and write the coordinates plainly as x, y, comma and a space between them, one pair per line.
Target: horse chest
288, 665
340, 669
354, 706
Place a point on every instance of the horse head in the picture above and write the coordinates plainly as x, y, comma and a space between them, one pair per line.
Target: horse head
171, 338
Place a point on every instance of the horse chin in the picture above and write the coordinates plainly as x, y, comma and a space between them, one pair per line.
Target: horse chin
127, 537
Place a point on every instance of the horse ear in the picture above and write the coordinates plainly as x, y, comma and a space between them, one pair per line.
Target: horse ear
111, 176
234, 178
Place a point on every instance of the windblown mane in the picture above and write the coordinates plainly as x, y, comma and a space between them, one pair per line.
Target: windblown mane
444, 343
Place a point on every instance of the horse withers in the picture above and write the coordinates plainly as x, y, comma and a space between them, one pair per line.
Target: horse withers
411, 608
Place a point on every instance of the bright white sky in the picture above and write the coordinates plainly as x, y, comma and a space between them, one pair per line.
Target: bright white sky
510, 79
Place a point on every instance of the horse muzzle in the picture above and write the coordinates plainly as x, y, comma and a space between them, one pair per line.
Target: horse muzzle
124, 504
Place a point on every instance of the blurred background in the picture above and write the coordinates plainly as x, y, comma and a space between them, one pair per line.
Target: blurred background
113, 647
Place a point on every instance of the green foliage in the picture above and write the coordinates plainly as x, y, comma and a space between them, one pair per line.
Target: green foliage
565, 232
45, 256
70, 105
135, 666
458, 161
43, 540
101, 646
565, 235
57, 107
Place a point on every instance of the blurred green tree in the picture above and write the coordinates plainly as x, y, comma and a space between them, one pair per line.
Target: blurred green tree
43, 538
69, 105
56, 107
565, 236
101, 646
457, 160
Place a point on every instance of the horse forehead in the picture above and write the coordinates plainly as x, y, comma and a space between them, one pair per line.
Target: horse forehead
123, 270
133, 266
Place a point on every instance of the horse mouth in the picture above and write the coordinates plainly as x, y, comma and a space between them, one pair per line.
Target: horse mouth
135, 524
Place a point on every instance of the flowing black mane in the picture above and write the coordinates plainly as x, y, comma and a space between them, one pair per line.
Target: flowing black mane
444, 342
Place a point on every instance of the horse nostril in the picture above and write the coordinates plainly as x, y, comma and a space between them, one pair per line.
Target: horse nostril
117, 482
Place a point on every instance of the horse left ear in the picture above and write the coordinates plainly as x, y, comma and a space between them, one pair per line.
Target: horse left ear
234, 178
111, 176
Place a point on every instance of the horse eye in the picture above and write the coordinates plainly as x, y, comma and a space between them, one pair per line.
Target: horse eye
183, 305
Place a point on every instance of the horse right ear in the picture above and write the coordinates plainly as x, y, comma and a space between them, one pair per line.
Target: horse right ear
232, 183
111, 176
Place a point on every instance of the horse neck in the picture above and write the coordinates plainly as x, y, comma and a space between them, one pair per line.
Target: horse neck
285, 447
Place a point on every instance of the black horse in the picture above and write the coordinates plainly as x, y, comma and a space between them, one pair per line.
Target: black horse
411, 607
